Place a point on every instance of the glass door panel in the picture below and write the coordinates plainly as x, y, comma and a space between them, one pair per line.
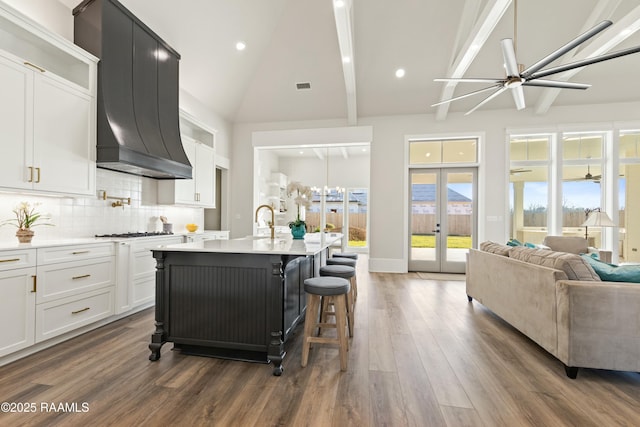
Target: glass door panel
357, 202
443, 219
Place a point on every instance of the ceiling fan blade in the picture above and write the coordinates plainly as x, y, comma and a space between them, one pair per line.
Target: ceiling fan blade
470, 80
556, 84
509, 55
487, 99
584, 62
518, 97
564, 49
466, 95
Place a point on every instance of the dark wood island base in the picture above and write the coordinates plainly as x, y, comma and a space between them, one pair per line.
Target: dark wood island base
229, 305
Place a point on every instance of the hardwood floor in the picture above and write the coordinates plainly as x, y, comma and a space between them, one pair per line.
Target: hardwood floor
421, 356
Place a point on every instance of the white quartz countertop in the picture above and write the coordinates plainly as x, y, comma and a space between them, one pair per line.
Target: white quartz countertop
311, 245
45, 243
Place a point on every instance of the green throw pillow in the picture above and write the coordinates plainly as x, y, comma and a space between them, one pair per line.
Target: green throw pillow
514, 242
612, 272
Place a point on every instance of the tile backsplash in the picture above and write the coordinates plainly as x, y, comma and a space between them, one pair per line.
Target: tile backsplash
88, 216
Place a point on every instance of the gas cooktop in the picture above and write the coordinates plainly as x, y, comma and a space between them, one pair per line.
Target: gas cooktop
136, 234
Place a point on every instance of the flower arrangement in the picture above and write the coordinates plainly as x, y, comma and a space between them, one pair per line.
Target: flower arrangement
27, 216
303, 197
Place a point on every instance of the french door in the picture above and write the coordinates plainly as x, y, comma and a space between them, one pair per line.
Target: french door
442, 218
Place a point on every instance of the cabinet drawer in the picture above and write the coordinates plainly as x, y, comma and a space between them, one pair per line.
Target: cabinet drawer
71, 278
10, 260
74, 253
57, 317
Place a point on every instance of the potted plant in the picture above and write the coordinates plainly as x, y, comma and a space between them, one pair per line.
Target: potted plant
26, 218
302, 197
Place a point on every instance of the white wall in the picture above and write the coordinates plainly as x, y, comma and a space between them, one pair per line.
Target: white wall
388, 175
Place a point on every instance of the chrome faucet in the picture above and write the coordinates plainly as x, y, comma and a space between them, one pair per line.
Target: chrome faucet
273, 218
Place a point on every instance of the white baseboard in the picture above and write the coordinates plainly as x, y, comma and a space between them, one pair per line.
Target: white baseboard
387, 265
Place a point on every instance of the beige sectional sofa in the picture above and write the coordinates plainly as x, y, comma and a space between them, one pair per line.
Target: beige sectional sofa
558, 301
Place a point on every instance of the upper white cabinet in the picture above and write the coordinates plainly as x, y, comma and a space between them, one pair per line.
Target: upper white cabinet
47, 111
198, 142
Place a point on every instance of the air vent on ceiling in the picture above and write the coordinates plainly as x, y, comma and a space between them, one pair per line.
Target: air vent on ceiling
303, 86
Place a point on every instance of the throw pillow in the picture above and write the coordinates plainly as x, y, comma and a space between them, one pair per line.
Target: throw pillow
514, 242
612, 272
573, 265
495, 248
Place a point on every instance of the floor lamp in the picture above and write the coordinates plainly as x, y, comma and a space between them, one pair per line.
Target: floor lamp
596, 218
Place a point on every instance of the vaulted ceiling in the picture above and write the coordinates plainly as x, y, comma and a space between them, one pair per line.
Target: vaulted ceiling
294, 41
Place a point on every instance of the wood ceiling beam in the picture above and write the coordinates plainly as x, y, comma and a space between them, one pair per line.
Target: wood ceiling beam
603, 10
343, 13
484, 26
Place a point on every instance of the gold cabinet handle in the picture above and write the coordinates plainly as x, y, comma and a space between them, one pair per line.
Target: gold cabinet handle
79, 252
38, 171
10, 260
81, 277
29, 64
30, 174
35, 284
80, 311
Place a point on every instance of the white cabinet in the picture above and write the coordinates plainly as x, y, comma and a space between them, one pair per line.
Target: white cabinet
47, 110
75, 287
207, 235
17, 299
199, 191
199, 143
136, 285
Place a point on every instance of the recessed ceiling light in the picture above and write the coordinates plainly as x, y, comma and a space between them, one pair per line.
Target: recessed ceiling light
241, 45
338, 3
301, 152
400, 73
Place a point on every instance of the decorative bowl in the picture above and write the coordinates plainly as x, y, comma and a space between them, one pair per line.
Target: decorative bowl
192, 227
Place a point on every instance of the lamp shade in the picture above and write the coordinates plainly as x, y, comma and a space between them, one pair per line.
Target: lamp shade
598, 219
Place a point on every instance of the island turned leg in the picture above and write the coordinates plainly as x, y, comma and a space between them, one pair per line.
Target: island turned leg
276, 352
158, 338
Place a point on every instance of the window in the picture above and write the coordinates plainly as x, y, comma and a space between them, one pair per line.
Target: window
529, 187
628, 201
426, 152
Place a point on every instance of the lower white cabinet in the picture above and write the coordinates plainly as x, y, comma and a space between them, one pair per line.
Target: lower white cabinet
75, 287
207, 235
45, 292
136, 284
17, 300
64, 315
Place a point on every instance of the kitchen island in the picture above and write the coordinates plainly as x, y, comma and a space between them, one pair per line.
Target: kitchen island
237, 299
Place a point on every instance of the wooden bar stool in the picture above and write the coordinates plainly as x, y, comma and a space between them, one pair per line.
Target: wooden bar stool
333, 290
350, 262
343, 272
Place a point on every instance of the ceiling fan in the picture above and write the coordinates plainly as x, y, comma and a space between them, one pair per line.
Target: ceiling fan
518, 171
517, 76
588, 176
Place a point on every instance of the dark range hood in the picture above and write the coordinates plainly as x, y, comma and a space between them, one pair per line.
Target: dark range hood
138, 119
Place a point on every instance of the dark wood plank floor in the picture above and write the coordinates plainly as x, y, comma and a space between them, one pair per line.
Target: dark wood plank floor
421, 356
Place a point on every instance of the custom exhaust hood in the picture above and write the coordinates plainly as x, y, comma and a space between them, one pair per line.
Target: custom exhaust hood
138, 129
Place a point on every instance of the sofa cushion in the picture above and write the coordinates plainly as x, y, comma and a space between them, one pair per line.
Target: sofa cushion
570, 244
612, 272
495, 248
573, 265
